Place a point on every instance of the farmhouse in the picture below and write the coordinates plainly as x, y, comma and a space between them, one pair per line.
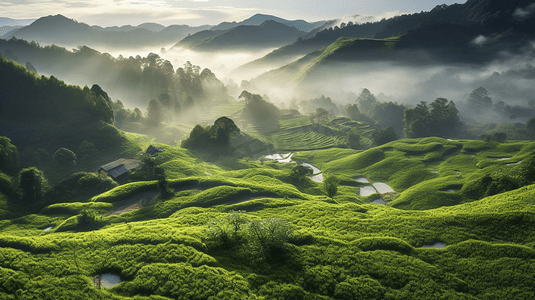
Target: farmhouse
119, 167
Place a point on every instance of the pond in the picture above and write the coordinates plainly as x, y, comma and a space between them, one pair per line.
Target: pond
503, 158
379, 201
449, 191
109, 280
287, 158
273, 156
367, 190
362, 180
48, 228
437, 245
382, 188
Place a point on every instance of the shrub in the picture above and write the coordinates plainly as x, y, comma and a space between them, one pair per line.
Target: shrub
64, 156
331, 185
32, 183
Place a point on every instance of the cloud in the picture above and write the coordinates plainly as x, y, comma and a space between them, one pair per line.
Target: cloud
524, 13
122, 12
480, 40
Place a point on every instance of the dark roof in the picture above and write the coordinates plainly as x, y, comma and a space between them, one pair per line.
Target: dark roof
118, 171
120, 166
151, 150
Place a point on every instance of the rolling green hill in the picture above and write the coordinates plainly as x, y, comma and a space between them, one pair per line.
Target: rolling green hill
209, 239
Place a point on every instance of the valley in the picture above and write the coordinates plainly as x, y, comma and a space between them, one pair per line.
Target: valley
270, 158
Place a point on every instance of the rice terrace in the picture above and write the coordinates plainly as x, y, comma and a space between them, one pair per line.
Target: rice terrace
362, 156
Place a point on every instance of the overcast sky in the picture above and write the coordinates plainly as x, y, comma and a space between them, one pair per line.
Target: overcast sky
198, 12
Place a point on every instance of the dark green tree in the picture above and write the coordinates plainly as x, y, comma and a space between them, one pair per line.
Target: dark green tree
389, 114
165, 190
381, 137
148, 166
353, 140
222, 129
32, 184
530, 127
331, 185
300, 171
441, 120
9, 156
64, 156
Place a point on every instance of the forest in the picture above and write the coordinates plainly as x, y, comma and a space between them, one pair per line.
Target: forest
149, 177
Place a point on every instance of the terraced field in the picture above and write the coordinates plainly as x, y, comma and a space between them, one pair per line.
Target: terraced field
209, 239
299, 140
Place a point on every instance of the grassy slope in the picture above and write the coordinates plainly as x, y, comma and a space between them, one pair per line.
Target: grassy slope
342, 250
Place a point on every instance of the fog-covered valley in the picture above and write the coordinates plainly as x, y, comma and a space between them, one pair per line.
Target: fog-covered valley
362, 157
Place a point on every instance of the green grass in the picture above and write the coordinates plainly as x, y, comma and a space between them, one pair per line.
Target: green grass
299, 140
339, 249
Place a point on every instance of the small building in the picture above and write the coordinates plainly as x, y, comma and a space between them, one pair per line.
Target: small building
153, 150
119, 167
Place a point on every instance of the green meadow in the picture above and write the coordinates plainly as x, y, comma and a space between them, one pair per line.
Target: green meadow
254, 229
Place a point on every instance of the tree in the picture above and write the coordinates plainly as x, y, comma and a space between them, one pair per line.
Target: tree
98, 91
381, 137
64, 156
300, 171
321, 115
366, 100
165, 190
479, 99
389, 114
222, 129
154, 113
331, 185
259, 111
147, 169
32, 184
353, 140
9, 156
441, 120
530, 127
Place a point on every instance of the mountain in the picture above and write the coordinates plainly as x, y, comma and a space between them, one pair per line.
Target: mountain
63, 31
268, 34
8, 30
301, 47
15, 22
471, 34
258, 19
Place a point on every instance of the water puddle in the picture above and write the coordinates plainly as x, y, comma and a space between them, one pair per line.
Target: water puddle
367, 190
449, 191
362, 180
434, 171
107, 280
48, 228
379, 201
314, 169
514, 164
273, 156
437, 245
287, 158
503, 158
382, 188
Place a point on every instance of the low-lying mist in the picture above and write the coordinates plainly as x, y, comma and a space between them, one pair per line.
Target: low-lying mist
508, 80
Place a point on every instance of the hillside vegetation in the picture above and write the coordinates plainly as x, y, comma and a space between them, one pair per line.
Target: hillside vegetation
257, 230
